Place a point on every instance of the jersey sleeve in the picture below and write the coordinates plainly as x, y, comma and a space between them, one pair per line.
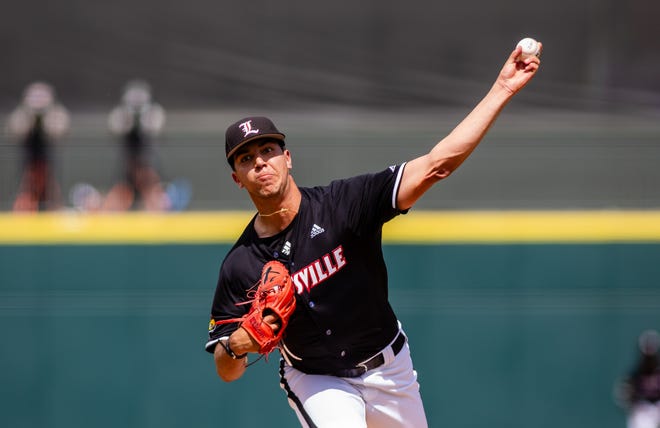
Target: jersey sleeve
369, 199
230, 301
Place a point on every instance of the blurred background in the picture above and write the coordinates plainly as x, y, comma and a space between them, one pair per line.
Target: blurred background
345, 76
122, 106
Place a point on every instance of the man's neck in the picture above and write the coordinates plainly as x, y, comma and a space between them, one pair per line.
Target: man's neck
274, 218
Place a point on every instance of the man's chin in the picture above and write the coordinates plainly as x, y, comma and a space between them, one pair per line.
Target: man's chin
269, 192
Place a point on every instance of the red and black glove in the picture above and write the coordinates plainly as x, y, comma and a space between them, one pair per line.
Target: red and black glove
275, 295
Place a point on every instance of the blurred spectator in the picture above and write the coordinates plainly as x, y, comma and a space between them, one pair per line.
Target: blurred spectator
640, 391
137, 120
36, 124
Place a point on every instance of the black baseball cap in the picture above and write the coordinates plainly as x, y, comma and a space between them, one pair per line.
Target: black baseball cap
249, 129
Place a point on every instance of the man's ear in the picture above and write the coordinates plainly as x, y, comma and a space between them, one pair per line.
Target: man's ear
236, 180
289, 164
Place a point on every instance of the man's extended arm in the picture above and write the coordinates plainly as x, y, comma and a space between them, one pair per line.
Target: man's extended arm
421, 173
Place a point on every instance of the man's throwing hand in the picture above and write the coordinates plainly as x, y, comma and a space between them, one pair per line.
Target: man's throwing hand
517, 72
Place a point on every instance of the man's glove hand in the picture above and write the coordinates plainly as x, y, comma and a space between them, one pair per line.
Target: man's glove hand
275, 296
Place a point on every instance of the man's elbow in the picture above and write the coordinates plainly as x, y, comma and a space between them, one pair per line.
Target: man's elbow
442, 173
225, 372
437, 174
228, 377
442, 166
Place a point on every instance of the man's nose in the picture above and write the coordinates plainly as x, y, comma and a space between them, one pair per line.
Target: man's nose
259, 161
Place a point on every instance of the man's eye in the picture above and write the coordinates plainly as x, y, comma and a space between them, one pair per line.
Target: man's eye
244, 159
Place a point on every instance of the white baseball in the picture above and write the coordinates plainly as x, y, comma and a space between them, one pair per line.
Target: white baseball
530, 47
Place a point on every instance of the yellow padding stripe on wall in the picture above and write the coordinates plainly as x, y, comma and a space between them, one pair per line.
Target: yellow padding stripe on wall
415, 227
526, 226
143, 228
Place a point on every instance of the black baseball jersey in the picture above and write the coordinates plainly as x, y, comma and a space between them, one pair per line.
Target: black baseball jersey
333, 251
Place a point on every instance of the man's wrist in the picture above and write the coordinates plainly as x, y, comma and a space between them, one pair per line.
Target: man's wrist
229, 351
501, 90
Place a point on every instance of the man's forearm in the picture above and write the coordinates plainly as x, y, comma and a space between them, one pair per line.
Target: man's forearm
466, 136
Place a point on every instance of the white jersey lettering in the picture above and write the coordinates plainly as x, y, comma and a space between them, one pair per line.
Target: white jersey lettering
339, 257
328, 265
312, 275
300, 280
319, 270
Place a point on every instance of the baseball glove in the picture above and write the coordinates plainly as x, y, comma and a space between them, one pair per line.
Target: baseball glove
274, 295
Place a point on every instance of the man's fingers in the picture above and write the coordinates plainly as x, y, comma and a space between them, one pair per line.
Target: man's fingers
515, 54
273, 320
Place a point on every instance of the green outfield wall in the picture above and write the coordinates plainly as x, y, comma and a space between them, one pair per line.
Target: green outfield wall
103, 319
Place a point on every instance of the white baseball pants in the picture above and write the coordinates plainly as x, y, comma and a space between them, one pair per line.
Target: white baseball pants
385, 397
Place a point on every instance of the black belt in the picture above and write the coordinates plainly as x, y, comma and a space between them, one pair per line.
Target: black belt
373, 362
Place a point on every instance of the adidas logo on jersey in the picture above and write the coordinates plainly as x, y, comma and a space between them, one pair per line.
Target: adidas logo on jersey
286, 249
316, 230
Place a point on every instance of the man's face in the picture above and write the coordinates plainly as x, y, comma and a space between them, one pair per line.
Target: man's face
262, 168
